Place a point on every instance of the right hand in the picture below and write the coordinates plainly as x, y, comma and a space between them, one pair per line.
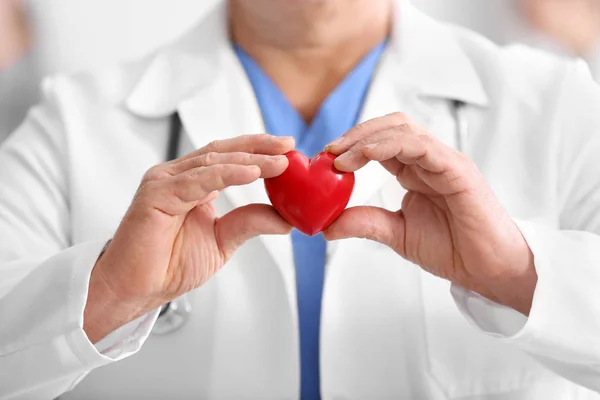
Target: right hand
170, 240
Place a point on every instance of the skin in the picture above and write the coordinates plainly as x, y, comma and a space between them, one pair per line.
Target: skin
171, 241
449, 223
307, 47
573, 23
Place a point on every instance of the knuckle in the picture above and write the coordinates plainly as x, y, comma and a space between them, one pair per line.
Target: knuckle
405, 127
427, 140
212, 146
261, 137
398, 117
149, 188
253, 140
247, 143
362, 143
154, 173
398, 136
198, 176
192, 174
467, 162
214, 177
210, 158
363, 126
252, 159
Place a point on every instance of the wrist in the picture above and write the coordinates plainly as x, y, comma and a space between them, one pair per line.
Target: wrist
515, 290
106, 310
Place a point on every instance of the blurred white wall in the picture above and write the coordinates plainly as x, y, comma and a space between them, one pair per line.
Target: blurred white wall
82, 34
499, 20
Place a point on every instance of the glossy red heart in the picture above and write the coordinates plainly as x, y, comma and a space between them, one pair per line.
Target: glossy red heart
311, 193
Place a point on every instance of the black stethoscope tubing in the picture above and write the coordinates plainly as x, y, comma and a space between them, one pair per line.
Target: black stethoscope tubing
175, 128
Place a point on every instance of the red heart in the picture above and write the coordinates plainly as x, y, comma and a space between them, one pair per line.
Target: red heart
311, 193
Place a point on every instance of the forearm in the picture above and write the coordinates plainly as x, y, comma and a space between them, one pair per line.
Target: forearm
562, 328
105, 310
517, 290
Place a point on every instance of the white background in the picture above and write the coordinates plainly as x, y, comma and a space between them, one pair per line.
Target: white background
89, 34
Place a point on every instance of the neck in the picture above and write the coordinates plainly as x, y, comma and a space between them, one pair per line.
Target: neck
308, 47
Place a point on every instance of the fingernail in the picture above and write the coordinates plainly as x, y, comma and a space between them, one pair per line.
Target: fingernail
371, 146
286, 138
336, 142
280, 158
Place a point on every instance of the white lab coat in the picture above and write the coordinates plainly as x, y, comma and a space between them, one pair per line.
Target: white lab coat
389, 330
19, 90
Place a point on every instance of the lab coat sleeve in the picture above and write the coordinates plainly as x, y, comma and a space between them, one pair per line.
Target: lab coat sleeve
563, 328
44, 278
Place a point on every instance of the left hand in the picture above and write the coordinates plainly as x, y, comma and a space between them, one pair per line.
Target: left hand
450, 222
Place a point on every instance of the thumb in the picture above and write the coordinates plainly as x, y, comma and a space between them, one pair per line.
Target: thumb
245, 223
371, 223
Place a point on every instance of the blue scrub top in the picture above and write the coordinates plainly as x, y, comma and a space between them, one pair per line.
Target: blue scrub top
338, 113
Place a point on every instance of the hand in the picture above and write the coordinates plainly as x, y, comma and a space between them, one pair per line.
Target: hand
14, 32
573, 23
170, 240
450, 222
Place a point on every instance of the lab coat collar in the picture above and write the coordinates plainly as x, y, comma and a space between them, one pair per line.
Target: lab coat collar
429, 58
432, 59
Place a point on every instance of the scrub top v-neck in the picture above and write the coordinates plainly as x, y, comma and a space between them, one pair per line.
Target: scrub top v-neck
337, 114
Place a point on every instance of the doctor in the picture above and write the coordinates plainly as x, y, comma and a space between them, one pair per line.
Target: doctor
484, 286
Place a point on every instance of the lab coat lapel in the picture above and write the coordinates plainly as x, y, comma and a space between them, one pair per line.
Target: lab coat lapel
228, 108
382, 99
420, 63
202, 79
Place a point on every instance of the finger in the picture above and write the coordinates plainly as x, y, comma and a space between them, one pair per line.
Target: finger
257, 144
393, 166
195, 184
270, 165
462, 178
245, 223
366, 129
410, 180
407, 147
371, 223
395, 142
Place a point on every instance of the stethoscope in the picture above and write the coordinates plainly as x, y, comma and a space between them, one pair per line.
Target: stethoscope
174, 315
